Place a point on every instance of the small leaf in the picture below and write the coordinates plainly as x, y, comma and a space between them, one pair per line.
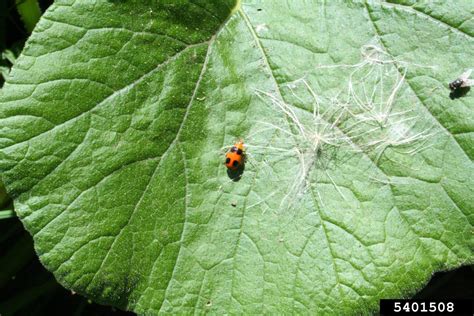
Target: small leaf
9, 55
358, 183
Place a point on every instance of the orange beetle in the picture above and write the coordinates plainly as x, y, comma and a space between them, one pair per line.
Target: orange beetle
235, 157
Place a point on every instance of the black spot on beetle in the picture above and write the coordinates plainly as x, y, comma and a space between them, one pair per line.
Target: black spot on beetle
239, 151
235, 163
459, 93
227, 160
235, 174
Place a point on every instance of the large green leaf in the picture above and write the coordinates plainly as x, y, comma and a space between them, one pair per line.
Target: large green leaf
114, 118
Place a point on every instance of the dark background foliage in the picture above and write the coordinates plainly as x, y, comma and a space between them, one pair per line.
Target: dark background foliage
26, 288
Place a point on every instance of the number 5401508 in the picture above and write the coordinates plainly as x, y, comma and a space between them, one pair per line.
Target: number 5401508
423, 307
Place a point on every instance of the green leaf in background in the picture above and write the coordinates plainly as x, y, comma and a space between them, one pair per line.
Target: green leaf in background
359, 177
30, 13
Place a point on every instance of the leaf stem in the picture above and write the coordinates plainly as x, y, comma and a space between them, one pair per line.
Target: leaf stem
7, 214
